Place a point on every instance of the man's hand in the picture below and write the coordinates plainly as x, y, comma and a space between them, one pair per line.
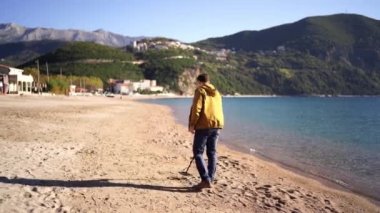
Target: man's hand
191, 129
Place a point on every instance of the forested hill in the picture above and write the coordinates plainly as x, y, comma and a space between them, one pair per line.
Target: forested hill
88, 59
324, 54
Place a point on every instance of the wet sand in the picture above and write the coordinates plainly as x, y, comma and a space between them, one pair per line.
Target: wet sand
97, 154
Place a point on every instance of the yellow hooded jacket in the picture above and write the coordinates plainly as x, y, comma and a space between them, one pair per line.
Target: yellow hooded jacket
206, 111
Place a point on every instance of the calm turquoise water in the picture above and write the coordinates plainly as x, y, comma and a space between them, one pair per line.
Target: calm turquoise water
334, 138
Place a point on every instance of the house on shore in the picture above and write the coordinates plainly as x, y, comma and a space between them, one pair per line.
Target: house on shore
119, 86
12, 81
129, 87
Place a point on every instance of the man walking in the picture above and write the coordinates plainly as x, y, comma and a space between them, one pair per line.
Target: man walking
205, 121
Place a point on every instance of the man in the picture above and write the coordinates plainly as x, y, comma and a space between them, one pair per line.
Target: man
205, 121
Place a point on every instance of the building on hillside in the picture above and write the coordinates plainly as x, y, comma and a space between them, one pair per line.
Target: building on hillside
140, 46
221, 55
144, 45
281, 48
14, 82
161, 47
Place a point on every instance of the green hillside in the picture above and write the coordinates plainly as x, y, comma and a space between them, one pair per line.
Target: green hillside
341, 30
89, 59
17, 53
77, 51
337, 54
354, 37
162, 67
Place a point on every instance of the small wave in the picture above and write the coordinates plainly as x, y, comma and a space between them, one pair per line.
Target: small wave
340, 182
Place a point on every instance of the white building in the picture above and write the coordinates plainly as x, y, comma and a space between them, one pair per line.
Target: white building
14, 82
281, 48
221, 55
156, 89
129, 87
140, 46
72, 89
123, 87
120, 86
141, 85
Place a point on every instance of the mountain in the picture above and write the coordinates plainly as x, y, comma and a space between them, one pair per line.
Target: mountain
11, 32
354, 38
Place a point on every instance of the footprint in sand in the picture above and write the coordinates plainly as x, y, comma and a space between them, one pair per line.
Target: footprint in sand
264, 188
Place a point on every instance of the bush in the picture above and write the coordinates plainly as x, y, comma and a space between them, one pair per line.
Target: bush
58, 86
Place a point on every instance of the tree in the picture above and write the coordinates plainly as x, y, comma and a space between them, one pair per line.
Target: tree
32, 71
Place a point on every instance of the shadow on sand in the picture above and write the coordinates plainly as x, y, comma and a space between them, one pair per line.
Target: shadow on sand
91, 184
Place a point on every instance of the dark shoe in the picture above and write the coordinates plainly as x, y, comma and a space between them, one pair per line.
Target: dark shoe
203, 184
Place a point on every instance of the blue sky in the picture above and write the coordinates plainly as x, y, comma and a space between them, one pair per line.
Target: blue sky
184, 20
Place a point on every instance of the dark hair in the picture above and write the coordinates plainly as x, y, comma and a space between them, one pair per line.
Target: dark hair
203, 78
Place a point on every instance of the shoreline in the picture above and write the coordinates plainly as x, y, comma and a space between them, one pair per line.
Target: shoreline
85, 154
325, 181
328, 182
322, 179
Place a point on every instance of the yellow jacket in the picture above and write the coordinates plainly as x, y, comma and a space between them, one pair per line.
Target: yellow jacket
206, 111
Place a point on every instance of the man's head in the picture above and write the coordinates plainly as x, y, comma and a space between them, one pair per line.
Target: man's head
202, 79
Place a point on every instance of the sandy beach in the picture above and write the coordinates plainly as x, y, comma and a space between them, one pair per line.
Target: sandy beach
98, 154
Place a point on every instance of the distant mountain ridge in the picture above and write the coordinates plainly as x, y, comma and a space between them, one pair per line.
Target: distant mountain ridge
11, 33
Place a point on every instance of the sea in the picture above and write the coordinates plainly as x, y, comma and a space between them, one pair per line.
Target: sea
332, 138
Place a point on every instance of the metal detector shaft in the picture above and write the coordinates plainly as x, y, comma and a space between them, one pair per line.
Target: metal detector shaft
189, 165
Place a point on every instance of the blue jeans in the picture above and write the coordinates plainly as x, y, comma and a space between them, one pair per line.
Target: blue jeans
206, 138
